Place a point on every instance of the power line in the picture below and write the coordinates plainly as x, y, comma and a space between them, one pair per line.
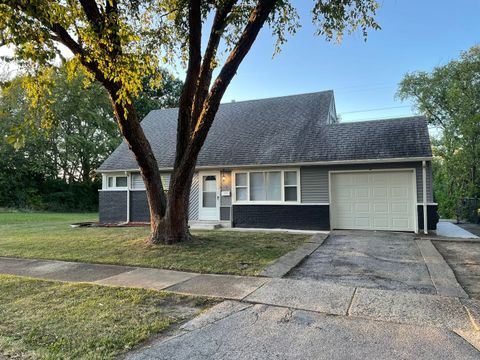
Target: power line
375, 109
379, 118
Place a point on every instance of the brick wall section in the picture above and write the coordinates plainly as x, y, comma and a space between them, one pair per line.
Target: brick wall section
112, 206
139, 211
300, 217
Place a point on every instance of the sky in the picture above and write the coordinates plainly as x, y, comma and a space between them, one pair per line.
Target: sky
416, 35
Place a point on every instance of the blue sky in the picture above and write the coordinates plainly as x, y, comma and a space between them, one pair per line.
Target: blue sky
415, 35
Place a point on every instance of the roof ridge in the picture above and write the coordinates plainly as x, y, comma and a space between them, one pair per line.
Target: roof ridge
261, 99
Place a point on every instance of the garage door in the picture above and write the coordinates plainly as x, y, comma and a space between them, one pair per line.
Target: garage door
374, 200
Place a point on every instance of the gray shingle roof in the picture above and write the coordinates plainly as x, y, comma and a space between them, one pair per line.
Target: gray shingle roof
284, 130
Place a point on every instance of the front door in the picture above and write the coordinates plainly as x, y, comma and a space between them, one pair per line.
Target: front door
209, 196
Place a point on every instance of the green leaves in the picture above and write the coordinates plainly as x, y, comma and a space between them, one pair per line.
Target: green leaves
127, 40
334, 18
449, 97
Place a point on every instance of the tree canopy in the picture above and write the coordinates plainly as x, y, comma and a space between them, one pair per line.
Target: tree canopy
119, 42
54, 167
449, 96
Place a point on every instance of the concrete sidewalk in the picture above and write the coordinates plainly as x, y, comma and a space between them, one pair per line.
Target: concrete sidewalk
234, 330
448, 229
459, 315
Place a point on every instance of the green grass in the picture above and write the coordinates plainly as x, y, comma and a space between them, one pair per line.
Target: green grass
52, 320
48, 236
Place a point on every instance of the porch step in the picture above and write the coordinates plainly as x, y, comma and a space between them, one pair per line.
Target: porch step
208, 225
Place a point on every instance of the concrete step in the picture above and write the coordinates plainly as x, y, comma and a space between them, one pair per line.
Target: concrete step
208, 225
205, 226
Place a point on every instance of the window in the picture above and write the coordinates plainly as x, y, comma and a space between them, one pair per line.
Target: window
241, 186
117, 182
209, 191
121, 181
290, 185
266, 186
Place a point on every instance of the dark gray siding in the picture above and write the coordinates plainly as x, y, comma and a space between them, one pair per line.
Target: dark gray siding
112, 206
301, 217
225, 201
314, 179
226, 185
139, 211
225, 213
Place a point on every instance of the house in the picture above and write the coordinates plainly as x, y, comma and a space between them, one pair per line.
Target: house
288, 163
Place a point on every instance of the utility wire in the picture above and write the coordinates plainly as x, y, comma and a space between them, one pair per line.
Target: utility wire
374, 109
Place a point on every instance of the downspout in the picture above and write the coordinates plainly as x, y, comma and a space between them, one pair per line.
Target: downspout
128, 195
424, 182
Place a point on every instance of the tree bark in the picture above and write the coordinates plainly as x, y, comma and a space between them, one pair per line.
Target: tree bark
174, 228
198, 106
137, 142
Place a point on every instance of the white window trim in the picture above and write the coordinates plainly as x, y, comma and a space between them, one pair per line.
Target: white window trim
115, 187
265, 202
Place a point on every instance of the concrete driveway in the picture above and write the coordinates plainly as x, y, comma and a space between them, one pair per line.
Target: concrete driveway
464, 258
371, 259
268, 332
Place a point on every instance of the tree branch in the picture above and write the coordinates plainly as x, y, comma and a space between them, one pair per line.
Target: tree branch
92, 12
193, 69
256, 21
205, 78
64, 37
111, 12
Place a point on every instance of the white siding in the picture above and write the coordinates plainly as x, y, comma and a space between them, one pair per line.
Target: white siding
194, 199
138, 184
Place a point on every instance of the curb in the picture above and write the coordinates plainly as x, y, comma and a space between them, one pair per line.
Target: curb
291, 259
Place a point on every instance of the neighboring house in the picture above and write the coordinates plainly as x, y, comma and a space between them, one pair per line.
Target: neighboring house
288, 163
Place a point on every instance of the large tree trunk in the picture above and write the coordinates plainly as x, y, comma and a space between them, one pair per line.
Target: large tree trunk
174, 226
137, 142
195, 120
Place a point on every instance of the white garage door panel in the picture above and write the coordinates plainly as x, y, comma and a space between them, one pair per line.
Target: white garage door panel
375, 200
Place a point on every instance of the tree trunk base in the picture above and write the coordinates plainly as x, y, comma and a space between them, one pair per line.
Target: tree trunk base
165, 235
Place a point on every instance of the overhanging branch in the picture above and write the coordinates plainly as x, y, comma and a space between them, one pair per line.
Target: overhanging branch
205, 77
193, 69
255, 22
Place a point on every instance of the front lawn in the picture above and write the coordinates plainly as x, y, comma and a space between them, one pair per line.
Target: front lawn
48, 236
52, 320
